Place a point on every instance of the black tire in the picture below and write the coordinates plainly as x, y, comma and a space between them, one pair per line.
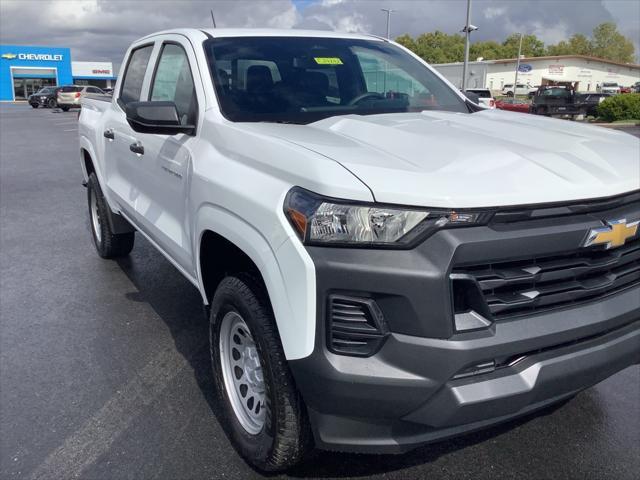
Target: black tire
285, 437
509, 94
51, 103
34, 105
107, 243
65, 109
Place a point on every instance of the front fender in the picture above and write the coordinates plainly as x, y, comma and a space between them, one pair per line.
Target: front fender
287, 271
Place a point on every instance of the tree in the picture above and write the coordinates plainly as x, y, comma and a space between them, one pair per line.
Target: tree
439, 47
578, 44
407, 41
607, 42
489, 50
532, 46
436, 47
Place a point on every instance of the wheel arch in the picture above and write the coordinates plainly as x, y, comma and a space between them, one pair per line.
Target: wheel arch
88, 159
223, 238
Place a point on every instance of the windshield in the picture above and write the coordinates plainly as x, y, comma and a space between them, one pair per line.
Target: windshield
45, 90
304, 79
609, 84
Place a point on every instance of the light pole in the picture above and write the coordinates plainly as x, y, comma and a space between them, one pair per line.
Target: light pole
468, 28
515, 84
389, 12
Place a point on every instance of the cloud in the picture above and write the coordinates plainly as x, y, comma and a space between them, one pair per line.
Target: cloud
102, 29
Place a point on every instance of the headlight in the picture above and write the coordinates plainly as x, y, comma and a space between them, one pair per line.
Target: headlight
324, 221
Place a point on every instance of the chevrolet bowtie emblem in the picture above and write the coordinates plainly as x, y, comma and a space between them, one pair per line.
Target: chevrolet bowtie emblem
9, 56
613, 235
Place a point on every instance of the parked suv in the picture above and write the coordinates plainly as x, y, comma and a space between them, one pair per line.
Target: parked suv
383, 263
69, 96
45, 97
485, 98
522, 89
609, 87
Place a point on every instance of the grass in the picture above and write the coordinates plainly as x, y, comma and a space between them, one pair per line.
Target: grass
634, 121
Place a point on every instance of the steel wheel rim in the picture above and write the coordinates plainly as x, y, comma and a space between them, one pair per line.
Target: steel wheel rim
242, 373
95, 217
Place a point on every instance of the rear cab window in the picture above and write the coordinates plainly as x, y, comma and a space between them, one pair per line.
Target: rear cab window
70, 89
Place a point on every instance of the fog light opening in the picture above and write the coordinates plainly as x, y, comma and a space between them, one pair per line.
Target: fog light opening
477, 369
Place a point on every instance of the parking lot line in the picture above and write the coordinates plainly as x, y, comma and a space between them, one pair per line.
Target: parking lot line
71, 130
98, 433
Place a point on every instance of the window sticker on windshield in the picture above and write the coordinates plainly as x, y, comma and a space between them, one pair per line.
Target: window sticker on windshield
328, 60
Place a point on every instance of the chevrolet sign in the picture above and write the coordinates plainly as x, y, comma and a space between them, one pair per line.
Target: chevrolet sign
33, 56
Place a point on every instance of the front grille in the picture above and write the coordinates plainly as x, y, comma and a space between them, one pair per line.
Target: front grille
540, 284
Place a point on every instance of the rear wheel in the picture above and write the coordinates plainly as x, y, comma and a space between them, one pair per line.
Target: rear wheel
107, 243
65, 109
264, 415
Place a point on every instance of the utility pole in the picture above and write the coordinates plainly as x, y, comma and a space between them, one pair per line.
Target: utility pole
213, 19
468, 28
515, 84
389, 12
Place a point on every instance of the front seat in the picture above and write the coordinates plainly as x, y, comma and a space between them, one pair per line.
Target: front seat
259, 89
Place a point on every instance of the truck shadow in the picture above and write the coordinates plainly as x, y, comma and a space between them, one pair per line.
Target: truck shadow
179, 306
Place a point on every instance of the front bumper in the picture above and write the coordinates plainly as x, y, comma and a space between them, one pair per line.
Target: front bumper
41, 101
411, 391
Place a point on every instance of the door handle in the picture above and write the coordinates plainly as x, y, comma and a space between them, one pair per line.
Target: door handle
108, 133
137, 147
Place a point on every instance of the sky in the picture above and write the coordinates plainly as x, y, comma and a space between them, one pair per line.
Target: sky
101, 30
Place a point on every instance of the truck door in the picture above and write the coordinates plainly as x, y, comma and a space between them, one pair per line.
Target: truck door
166, 160
123, 168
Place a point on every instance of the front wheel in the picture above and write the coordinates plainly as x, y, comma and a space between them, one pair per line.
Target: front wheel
107, 243
51, 103
263, 413
34, 105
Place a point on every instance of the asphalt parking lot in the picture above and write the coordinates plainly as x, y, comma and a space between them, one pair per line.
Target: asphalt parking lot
104, 369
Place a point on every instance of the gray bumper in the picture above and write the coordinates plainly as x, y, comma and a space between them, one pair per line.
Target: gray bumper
533, 381
405, 396
413, 389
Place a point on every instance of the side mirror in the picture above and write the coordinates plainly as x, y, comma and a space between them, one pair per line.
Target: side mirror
474, 97
156, 117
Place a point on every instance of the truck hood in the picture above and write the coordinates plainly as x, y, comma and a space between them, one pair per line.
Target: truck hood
489, 158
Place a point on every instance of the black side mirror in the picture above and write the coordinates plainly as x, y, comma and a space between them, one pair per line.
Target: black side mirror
474, 97
156, 117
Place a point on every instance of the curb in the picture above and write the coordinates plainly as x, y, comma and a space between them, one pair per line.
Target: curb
616, 125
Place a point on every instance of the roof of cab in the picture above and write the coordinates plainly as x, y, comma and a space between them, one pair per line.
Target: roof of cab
260, 32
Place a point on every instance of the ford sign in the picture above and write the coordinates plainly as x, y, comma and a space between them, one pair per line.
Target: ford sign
525, 68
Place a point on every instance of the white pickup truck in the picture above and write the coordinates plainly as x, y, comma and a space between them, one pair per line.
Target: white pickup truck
384, 264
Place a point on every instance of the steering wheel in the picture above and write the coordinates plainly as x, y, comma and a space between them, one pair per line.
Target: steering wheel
362, 96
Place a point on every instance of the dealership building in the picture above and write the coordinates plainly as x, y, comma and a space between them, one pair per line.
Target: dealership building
586, 73
26, 69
